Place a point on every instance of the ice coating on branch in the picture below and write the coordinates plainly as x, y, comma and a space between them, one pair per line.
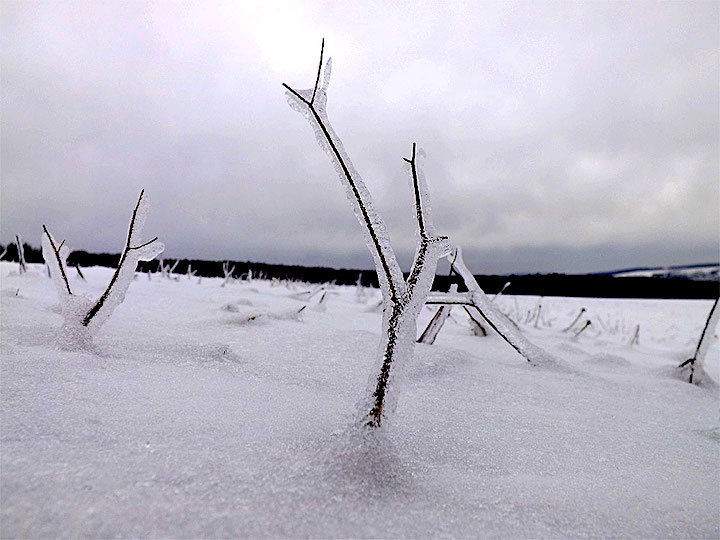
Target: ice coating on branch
402, 301
55, 255
508, 331
374, 230
81, 316
423, 190
693, 369
135, 251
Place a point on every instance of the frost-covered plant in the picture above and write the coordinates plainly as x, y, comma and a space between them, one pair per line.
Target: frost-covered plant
499, 293
82, 316
696, 365
402, 299
436, 323
576, 319
228, 272
21, 255
497, 320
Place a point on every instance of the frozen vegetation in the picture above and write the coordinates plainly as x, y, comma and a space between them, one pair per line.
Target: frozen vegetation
210, 411
402, 298
82, 316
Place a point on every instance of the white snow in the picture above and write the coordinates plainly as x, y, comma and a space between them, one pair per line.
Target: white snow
189, 420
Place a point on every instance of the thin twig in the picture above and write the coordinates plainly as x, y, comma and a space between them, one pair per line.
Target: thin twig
99, 304
317, 79
58, 258
349, 178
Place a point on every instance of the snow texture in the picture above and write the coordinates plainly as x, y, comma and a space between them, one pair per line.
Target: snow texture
181, 423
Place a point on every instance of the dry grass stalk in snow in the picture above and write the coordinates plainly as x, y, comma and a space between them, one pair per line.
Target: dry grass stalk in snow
402, 299
82, 316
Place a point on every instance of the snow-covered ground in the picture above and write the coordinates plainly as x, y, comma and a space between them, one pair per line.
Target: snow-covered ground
189, 420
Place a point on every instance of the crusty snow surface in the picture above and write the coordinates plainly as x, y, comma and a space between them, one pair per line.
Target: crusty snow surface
189, 420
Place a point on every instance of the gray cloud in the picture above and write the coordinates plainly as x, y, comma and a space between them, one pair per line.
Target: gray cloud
559, 137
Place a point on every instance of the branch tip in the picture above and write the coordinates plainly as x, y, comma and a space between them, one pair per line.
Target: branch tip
317, 79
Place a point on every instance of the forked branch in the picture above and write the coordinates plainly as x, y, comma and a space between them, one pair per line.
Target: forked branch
59, 259
402, 298
390, 269
132, 231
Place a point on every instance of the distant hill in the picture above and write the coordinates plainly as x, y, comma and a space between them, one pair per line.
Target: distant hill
700, 272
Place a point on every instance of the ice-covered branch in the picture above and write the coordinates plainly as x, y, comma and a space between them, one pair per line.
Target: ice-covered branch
125, 271
56, 262
402, 300
696, 364
312, 104
81, 315
495, 318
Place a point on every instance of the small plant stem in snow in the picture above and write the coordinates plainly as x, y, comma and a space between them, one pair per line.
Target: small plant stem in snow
636, 336
582, 310
587, 323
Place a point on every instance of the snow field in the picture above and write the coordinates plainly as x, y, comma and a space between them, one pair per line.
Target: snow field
208, 411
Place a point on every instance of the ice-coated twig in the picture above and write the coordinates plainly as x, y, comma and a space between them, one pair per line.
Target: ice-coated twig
436, 323
495, 318
475, 323
582, 310
499, 293
129, 258
80, 313
402, 300
59, 256
79, 272
228, 272
2, 255
307, 295
537, 317
21, 255
697, 361
172, 269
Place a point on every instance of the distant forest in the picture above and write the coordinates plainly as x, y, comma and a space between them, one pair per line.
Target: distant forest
577, 285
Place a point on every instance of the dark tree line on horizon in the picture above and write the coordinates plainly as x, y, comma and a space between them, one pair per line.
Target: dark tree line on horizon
571, 285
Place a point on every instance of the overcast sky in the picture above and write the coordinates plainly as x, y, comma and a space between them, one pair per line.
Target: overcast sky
559, 136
